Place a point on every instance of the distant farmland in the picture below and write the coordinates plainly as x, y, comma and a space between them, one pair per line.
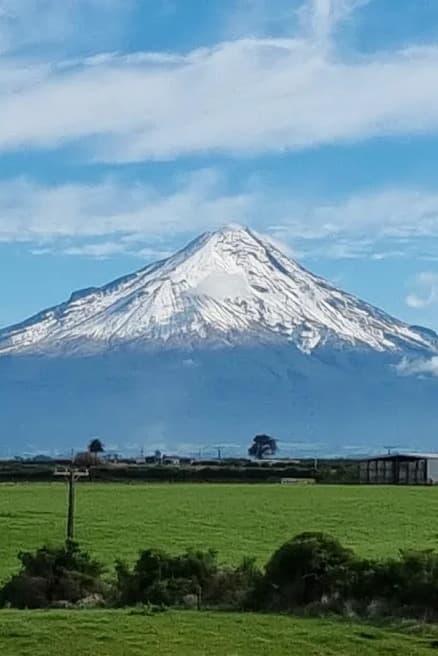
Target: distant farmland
236, 520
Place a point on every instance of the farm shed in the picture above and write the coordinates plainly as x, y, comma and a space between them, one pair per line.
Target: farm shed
400, 469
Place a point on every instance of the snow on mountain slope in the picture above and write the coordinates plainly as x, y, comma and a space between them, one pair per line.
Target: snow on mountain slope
226, 287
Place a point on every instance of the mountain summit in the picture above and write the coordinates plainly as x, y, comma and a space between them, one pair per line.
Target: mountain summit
227, 287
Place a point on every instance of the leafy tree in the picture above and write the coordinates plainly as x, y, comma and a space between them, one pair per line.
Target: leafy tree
95, 447
263, 445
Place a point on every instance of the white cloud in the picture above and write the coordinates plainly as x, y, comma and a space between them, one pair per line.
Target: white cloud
133, 212
425, 291
115, 217
397, 213
419, 367
223, 285
321, 17
100, 250
243, 96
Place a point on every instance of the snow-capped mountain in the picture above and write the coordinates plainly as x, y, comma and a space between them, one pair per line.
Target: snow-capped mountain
227, 338
226, 287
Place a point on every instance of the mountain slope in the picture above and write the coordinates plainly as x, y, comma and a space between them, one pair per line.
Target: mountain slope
331, 402
227, 338
227, 287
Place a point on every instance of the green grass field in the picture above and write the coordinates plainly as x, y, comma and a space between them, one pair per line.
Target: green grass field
237, 520
111, 633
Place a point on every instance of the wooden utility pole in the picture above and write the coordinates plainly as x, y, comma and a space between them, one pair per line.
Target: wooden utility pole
71, 475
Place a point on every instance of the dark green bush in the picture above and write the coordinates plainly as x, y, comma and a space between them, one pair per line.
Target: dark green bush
314, 571
51, 575
159, 578
234, 587
409, 584
311, 573
306, 569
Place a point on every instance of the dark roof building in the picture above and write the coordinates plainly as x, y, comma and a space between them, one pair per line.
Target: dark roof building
400, 469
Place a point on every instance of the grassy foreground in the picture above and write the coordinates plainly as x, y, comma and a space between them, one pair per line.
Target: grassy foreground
117, 520
237, 520
112, 633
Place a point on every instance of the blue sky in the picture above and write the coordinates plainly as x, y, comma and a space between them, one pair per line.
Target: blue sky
129, 126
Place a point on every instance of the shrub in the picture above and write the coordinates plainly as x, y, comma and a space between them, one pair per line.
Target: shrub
306, 569
25, 592
311, 573
233, 588
50, 575
159, 578
409, 584
314, 571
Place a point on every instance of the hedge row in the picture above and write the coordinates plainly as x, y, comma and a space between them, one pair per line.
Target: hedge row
312, 573
187, 474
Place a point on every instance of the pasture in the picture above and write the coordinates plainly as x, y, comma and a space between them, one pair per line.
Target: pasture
120, 633
116, 520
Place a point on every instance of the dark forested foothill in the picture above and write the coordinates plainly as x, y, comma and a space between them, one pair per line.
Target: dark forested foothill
312, 574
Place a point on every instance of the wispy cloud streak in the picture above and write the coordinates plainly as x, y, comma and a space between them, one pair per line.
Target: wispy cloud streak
246, 96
